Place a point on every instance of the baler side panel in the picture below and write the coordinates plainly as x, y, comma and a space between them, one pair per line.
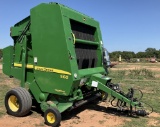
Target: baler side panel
71, 52
7, 60
49, 48
91, 24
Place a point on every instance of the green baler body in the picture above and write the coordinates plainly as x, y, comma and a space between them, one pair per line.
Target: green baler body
51, 58
57, 51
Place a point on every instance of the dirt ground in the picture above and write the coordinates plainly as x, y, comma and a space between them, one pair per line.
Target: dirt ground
85, 116
89, 115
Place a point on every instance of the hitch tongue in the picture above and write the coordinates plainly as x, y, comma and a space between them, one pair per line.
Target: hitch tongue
141, 113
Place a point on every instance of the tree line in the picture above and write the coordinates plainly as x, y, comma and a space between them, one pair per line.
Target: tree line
127, 55
148, 53
1, 53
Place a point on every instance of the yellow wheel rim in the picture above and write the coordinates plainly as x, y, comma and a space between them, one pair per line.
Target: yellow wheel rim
103, 95
13, 103
51, 117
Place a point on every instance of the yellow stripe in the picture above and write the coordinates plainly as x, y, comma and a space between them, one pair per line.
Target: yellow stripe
17, 65
29, 66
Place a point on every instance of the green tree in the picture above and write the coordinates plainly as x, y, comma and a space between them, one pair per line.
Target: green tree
141, 55
150, 50
115, 54
157, 54
1, 53
128, 55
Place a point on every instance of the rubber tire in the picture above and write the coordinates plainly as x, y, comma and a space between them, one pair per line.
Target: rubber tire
24, 100
57, 117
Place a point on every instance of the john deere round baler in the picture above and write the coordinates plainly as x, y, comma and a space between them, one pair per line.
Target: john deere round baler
58, 54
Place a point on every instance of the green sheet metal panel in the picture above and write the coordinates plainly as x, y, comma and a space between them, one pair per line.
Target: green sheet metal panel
69, 14
7, 60
49, 48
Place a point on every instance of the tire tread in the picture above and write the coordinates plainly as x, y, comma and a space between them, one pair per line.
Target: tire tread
25, 99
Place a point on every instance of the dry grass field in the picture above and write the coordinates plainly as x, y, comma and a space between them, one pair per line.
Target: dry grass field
144, 76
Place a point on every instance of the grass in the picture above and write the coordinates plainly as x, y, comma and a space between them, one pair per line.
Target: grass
6, 84
136, 122
3, 90
141, 73
102, 121
140, 78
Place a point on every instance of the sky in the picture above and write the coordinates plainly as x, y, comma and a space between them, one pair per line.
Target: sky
126, 25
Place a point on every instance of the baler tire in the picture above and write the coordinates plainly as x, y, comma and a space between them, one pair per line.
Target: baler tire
18, 102
52, 117
104, 96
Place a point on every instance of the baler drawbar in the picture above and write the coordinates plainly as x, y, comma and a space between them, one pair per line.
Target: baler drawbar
58, 56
